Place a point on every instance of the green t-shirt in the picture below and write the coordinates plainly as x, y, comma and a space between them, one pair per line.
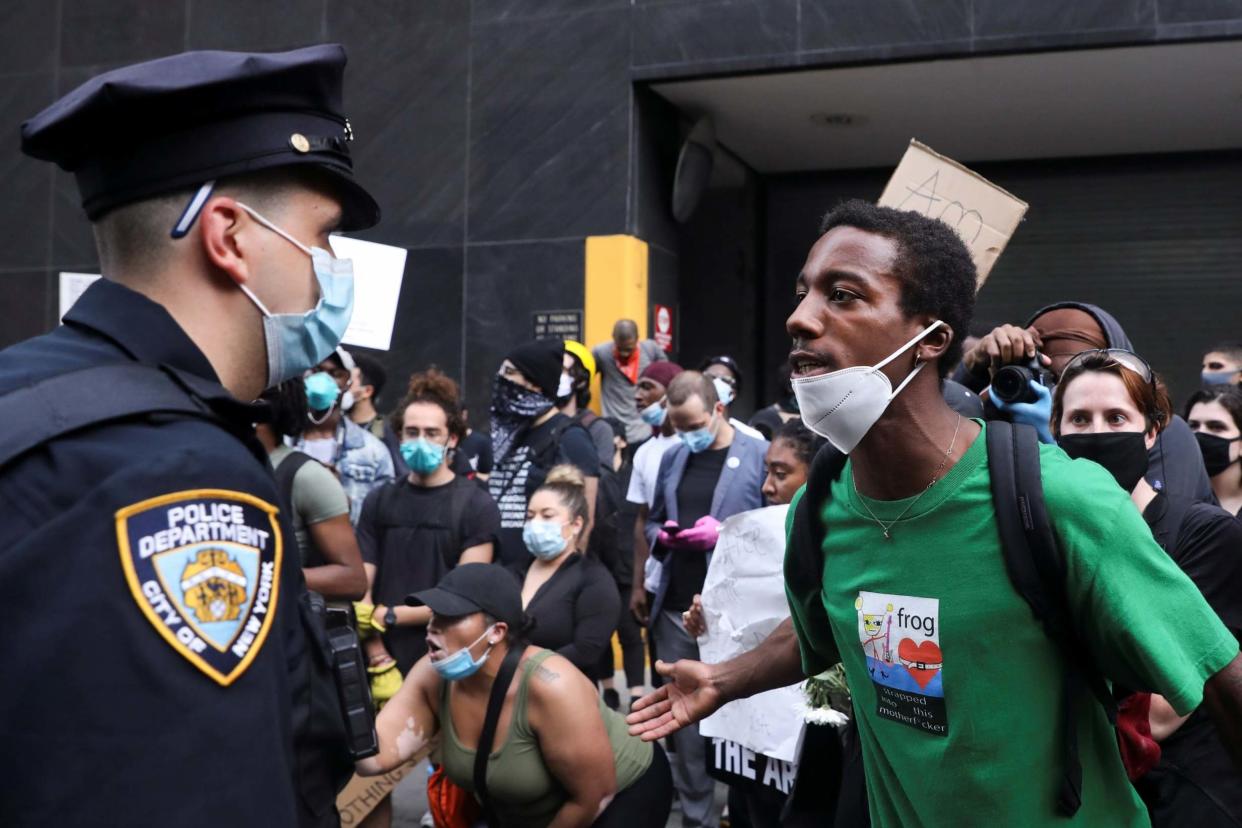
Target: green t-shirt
956, 687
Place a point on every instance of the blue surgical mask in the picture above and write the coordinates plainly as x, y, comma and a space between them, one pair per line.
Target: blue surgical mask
460, 665
297, 342
1217, 377
422, 455
321, 391
699, 439
724, 390
654, 414
543, 538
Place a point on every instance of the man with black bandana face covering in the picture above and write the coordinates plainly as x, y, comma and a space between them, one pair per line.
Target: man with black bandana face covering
1061, 331
529, 436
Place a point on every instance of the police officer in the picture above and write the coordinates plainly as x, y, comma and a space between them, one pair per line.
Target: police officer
161, 664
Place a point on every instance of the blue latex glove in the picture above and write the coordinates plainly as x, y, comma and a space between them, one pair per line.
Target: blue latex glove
1036, 414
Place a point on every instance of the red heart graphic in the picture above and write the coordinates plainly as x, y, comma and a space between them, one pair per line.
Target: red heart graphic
921, 660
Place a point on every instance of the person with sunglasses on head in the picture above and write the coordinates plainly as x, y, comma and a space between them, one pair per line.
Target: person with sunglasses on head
557, 756
1215, 415
1110, 408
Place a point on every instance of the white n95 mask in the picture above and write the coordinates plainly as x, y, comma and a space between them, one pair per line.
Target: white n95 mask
842, 406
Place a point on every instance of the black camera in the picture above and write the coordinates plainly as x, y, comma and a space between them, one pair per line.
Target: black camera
1011, 383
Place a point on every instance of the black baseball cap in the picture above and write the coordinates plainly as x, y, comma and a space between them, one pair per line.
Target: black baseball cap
474, 587
179, 122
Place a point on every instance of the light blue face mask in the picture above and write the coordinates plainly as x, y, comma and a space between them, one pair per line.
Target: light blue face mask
654, 414
699, 439
321, 391
1217, 377
724, 390
460, 665
543, 539
297, 342
422, 455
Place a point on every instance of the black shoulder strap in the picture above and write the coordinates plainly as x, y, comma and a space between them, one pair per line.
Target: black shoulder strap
487, 737
70, 402
286, 472
1037, 570
459, 498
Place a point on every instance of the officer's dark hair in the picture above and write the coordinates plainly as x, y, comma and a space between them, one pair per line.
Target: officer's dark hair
134, 236
689, 384
290, 412
370, 372
803, 442
933, 265
434, 387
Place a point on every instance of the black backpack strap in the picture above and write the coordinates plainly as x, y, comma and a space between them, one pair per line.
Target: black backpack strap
487, 737
87, 397
804, 555
459, 499
1037, 570
286, 472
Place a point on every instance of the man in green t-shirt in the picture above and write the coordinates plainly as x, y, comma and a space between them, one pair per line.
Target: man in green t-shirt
956, 687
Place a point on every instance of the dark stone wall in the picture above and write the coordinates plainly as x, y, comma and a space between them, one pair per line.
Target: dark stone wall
498, 134
1152, 239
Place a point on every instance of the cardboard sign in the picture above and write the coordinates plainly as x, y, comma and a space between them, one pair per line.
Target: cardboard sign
378, 271
363, 793
664, 327
984, 215
73, 285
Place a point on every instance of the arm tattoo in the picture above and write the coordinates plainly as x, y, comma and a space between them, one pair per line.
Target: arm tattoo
546, 675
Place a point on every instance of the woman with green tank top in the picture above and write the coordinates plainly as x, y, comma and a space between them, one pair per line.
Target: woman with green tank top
559, 758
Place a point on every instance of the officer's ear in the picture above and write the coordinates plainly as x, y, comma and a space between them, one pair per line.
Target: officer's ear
220, 224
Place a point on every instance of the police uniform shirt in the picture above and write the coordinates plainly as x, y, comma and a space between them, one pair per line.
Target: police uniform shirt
152, 642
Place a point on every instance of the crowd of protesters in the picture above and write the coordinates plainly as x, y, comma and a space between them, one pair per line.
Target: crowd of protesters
603, 528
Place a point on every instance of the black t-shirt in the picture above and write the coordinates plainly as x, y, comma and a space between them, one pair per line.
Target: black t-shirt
575, 611
1208, 548
688, 567
476, 450
407, 532
516, 476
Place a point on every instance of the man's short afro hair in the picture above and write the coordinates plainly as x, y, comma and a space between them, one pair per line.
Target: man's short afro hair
937, 274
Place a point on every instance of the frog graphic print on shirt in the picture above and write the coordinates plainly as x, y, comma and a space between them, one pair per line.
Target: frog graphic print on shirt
900, 637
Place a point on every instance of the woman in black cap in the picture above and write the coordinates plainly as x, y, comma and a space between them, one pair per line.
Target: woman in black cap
556, 754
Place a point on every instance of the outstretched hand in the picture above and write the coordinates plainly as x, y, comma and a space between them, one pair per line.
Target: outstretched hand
687, 696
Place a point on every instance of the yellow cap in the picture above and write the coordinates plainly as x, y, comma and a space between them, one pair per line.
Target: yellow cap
583, 354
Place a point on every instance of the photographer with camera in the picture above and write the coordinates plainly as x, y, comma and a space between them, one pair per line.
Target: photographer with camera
1052, 337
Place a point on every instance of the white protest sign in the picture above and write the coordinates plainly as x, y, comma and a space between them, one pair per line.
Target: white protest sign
743, 601
984, 215
73, 285
378, 270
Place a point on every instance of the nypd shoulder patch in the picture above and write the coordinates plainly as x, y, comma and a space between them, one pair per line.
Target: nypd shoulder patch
204, 567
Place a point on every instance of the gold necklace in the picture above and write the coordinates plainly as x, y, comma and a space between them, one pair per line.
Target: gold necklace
935, 476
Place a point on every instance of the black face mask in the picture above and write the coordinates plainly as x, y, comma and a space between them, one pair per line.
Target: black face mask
1215, 452
1123, 453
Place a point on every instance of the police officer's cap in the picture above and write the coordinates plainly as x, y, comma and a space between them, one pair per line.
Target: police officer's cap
181, 121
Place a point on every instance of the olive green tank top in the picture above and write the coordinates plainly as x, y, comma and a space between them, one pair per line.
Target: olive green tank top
523, 791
